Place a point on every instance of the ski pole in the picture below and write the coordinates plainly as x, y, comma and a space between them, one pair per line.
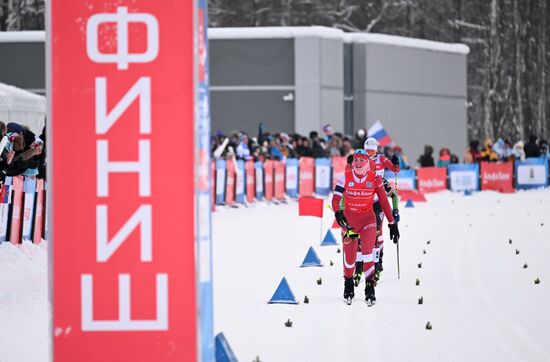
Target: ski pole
398, 271
397, 243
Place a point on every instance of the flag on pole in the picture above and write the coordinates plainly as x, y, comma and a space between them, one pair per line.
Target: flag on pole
378, 132
310, 206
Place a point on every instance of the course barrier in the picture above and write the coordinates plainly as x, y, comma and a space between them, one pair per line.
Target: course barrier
23, 199
22, 210
276, 180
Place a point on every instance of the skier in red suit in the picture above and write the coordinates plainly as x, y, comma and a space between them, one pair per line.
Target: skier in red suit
381, 163
358, 187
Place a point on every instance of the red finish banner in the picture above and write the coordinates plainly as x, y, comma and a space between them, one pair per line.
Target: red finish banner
17, 209
279, 180
432, 179
497, 176
268, 180
306, 183
121, 88
250, 176
230, 182
338, 169
39, 212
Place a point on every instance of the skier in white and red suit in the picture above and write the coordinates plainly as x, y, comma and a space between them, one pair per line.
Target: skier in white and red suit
358, 187
381, 163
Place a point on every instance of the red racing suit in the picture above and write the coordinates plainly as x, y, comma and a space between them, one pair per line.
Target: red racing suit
358, 193
381, 163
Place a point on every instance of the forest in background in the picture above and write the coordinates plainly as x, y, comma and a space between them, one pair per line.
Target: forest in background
508, 39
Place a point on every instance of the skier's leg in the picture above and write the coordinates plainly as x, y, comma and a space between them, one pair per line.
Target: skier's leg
368, 238
349, 257
380, 242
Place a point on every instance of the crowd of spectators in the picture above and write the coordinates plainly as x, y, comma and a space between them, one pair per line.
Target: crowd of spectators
281, 146
22, 153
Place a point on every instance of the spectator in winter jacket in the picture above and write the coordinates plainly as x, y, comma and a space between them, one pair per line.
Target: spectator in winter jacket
488, 154
24, 156
471, 155
243, 152
347, 147
360, 138
426, 159
544, 150
329, 132
403, 159
444, 157
454, 158
519, 152
531, 148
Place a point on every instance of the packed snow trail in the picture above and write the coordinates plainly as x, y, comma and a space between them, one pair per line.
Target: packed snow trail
483, 305
481, 301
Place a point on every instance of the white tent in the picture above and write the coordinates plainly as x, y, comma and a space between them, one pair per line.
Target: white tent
23, 107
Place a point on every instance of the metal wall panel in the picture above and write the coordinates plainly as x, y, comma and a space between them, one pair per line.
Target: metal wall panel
332, 63
23, 65
412, 70
413, 121
239, 62
319, 74
244, 110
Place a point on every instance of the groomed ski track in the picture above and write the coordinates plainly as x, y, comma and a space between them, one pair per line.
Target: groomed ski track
482, 303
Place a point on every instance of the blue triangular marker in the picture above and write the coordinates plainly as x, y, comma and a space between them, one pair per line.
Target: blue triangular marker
329, 239
467, 192
311, 259
409, 203
224, 353
283, 294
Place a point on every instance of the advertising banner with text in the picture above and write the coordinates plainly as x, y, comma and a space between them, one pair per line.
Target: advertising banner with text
497, 176
124, 285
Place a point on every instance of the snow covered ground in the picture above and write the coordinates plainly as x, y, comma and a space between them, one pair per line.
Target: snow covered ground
481, 301
24, 307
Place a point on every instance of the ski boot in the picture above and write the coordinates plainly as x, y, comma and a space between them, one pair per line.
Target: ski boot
349, 292
370, 297
358, 273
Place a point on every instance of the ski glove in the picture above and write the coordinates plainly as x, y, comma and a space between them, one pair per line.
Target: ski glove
395, 213
387, 185
395, 160
341, 219
394, 232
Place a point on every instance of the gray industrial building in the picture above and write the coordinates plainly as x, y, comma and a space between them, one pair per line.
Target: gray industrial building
296, 79
22, 60
416, 88
289, 78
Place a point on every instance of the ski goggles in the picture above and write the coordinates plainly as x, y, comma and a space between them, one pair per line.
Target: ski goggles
360, 153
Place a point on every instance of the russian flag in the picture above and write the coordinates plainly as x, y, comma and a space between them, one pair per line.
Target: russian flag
378, 132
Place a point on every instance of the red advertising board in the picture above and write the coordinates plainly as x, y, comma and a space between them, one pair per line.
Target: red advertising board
268, 179
279, 169
306, 183
497, 176
250, 176
123, 180
230, 182
17, 209
338, 169
432, 179
39, 212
